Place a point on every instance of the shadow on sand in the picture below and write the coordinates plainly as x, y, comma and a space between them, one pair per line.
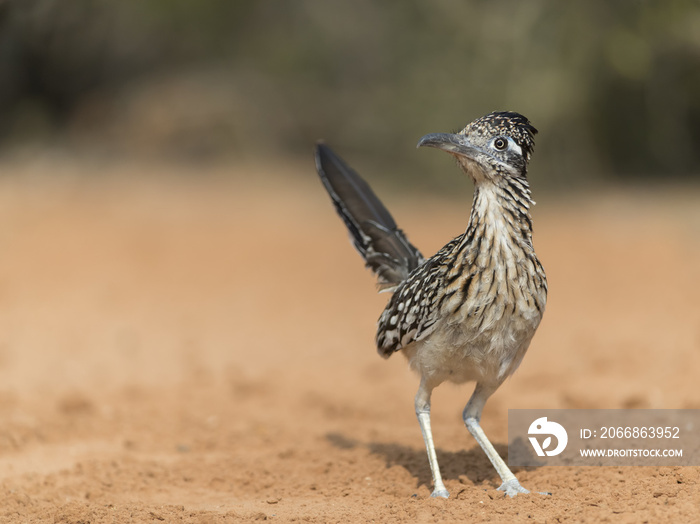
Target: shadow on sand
472, 464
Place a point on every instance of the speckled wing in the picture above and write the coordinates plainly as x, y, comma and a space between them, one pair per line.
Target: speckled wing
413, 310
373, 231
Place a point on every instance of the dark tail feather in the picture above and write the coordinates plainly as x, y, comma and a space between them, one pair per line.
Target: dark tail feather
384, 247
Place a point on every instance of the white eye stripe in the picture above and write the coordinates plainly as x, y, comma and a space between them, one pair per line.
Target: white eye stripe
514, 146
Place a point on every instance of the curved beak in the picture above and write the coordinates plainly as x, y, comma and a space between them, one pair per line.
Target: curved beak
452, 143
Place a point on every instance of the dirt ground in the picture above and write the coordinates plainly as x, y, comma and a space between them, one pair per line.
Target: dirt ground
191, 347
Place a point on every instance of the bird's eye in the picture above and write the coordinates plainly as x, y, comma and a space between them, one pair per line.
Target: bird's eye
500, 143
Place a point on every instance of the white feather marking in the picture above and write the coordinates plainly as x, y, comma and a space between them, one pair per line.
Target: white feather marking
514, 146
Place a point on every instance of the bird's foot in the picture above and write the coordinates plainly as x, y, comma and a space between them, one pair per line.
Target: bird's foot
440, 493
512, 488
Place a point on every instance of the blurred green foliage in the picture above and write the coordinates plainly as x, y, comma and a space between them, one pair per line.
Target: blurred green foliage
614, 87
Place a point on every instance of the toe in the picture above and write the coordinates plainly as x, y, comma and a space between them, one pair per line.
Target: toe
512, 488
440, 493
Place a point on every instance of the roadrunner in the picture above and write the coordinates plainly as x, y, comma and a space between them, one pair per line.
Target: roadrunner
467, 313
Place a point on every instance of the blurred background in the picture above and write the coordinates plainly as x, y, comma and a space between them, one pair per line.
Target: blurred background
614, 87
183, 322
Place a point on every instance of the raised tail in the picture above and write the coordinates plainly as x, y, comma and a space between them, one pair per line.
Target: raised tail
384, 246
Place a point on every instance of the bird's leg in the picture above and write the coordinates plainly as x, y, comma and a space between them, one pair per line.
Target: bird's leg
472, 415
423, 413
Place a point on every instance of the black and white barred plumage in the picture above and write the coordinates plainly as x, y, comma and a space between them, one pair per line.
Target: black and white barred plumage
469, 311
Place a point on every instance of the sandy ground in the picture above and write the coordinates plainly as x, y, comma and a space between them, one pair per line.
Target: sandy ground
195, 348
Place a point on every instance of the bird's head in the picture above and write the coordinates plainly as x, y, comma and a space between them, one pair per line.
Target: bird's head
498, 144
